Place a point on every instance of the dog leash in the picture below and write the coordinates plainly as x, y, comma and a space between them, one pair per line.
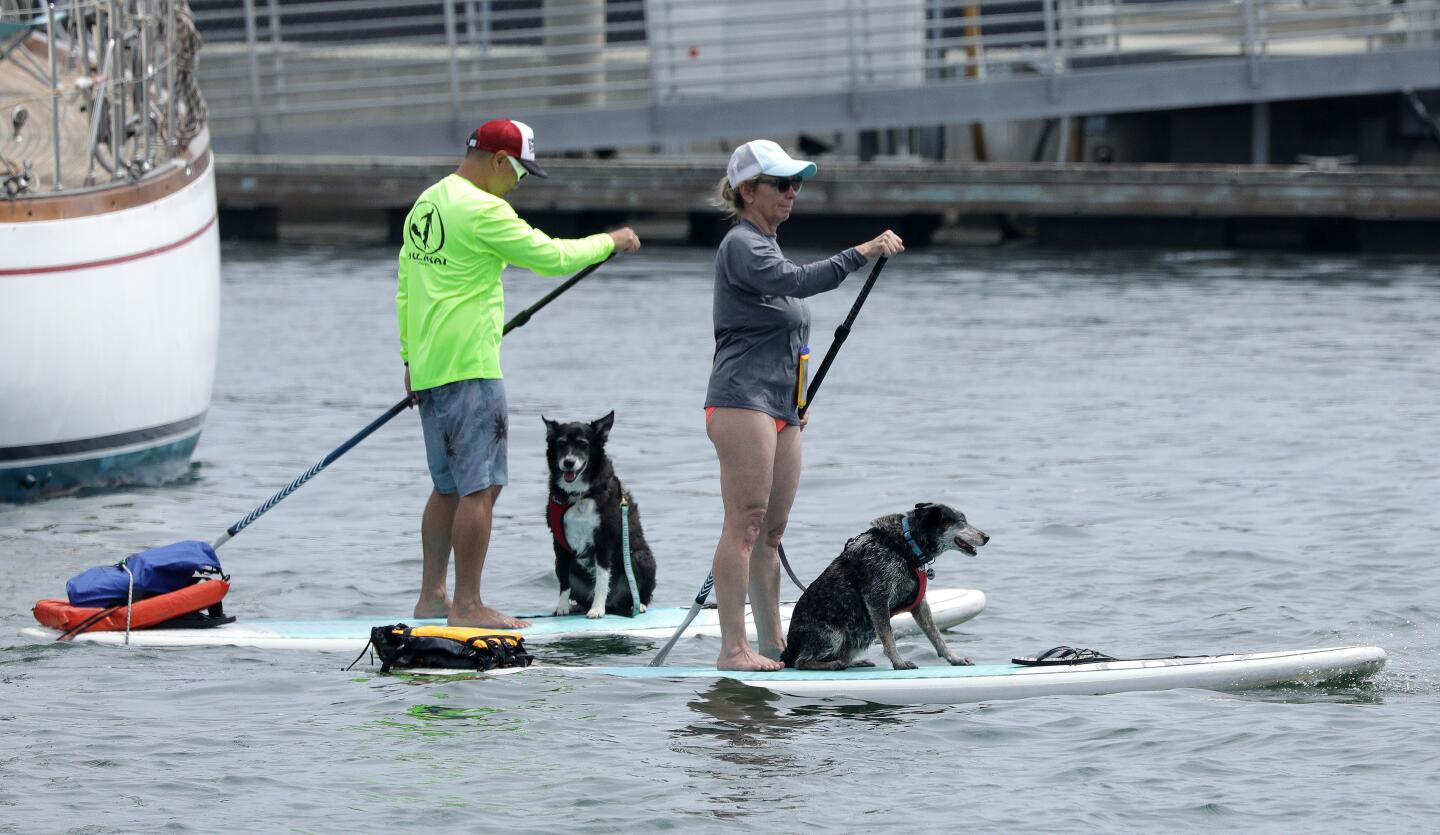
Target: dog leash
625, 546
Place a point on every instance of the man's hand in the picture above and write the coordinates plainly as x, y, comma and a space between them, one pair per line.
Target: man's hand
413, 399
625, 240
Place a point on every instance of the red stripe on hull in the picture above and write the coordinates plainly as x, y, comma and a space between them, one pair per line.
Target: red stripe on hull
119, 259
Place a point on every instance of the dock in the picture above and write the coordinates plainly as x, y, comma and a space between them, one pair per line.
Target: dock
1325, 205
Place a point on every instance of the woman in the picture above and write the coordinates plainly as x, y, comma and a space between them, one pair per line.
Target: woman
762, 325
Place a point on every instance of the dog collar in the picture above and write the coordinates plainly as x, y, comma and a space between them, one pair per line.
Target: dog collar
910, 540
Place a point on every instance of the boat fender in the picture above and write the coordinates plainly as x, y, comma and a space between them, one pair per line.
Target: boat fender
402, 647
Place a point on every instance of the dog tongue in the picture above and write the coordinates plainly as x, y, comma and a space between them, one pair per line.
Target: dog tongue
569, 476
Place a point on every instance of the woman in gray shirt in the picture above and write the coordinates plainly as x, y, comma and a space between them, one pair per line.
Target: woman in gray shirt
762, 327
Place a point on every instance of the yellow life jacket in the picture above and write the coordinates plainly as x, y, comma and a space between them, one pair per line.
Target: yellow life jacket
402, 647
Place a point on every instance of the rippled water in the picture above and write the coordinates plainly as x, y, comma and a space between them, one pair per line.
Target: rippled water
1173, 453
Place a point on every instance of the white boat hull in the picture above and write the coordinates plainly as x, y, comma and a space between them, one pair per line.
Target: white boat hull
110, 337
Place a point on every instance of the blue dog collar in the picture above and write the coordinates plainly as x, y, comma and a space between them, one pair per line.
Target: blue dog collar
910, 539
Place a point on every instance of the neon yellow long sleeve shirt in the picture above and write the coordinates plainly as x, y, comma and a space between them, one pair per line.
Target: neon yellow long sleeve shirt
450, 302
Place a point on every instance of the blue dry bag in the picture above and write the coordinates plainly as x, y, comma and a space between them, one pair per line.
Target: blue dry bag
157, 571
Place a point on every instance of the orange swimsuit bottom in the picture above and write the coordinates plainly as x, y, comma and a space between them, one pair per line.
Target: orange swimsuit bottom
780, 423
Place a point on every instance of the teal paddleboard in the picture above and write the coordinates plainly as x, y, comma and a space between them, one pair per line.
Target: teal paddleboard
950, 607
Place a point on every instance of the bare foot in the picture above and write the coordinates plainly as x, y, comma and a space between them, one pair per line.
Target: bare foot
747, 659
484, 616
773, 652
431, 606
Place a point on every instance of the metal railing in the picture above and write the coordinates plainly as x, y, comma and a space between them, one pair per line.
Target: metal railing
284, 67
114, 79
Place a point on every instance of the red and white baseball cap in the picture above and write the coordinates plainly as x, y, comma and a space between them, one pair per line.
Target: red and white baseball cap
514, 138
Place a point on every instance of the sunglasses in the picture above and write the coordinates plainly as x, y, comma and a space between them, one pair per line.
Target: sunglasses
520, 170
782, 184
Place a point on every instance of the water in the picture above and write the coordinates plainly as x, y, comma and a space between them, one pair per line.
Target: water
1173, 453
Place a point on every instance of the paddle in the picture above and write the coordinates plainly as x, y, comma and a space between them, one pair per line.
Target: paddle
520, 319
841, 334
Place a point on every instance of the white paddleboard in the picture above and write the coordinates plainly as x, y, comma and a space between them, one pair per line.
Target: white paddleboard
950, 607
951, 685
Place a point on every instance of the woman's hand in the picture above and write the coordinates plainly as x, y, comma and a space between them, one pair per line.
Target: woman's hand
885, 246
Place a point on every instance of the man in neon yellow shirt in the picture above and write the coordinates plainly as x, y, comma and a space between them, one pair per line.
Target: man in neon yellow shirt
459, 237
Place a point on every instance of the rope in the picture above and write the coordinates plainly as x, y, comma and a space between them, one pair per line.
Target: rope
363, 650
129, 599
625, 545
187, 47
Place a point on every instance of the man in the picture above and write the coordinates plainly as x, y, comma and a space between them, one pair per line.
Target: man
459, 236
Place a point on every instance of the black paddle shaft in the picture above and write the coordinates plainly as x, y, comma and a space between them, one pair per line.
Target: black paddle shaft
841, 334
524, 316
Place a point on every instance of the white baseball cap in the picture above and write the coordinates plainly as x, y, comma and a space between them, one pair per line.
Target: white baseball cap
761, 156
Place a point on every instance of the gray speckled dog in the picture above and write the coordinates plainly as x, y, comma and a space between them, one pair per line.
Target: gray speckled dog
879, 574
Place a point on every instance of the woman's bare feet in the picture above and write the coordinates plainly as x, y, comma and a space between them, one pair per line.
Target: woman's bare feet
746, 659
484, 616
433, 606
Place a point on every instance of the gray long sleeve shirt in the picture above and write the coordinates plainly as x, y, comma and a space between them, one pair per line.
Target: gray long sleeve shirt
762, 320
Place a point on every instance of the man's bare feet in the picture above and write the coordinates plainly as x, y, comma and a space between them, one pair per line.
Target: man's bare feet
483, 616
746, 659
431, 606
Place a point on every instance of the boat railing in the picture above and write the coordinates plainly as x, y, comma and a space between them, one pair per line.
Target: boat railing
94, 92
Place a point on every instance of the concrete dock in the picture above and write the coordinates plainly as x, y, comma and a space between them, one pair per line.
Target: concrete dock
1323, 206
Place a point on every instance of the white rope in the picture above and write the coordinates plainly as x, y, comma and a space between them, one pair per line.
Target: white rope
129, 599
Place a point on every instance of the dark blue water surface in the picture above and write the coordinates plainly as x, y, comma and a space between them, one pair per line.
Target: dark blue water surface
1174, 453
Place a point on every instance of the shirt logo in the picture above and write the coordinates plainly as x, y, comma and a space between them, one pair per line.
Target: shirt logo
424, 228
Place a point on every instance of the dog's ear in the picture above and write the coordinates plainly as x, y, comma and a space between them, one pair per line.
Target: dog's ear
552, 428
601, 427
927, 513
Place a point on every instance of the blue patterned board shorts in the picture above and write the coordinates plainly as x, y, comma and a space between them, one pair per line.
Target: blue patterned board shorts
465, 425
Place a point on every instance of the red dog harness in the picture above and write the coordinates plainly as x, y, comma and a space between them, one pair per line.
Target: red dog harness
555, 515
920, 574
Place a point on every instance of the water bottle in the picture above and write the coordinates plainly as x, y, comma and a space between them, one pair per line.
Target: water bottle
802, 376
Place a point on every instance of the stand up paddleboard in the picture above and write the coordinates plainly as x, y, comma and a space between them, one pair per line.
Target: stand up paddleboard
950, 607
994, 682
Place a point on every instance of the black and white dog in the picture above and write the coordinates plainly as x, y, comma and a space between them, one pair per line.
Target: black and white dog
879, 574
584, 518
